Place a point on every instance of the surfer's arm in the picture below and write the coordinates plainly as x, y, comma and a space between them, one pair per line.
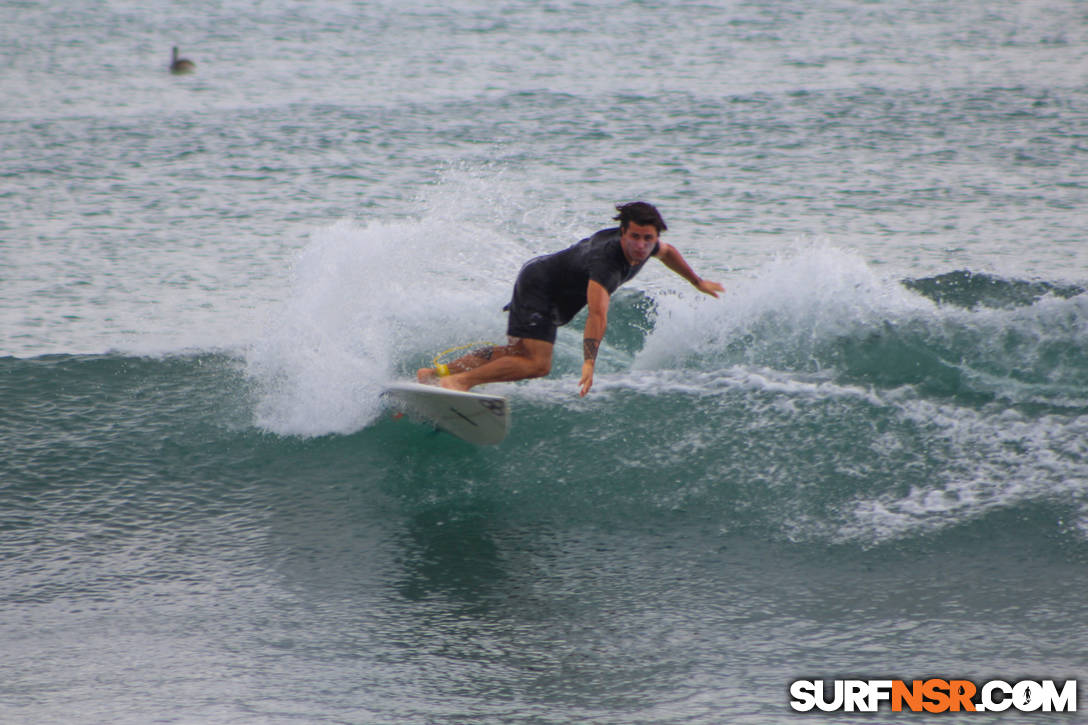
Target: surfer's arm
675, 261
597, 299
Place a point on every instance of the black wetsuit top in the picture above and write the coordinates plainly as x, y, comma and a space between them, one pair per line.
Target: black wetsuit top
551, 290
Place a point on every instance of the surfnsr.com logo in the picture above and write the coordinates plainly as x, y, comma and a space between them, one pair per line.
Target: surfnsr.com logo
933, 695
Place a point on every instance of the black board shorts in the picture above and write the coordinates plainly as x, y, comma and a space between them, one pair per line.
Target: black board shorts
532, 311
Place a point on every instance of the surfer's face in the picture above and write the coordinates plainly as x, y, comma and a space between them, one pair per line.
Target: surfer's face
638, 241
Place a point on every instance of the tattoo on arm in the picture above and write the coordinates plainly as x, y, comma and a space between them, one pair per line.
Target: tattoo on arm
589, 348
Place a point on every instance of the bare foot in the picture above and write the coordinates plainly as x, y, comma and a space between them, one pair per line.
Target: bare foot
452, 382
427, 376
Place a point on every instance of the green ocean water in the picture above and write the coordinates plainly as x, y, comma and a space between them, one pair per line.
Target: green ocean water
897, 501
868, 459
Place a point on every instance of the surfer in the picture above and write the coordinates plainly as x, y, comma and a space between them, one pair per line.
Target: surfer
550, 290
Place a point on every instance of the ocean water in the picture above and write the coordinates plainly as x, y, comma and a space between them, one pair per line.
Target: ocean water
868, 459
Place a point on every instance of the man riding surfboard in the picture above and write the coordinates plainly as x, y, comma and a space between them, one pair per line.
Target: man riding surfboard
550, 290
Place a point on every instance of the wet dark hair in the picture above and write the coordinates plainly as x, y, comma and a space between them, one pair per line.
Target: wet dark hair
640, 213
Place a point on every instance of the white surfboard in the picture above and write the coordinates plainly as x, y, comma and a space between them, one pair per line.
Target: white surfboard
475, 417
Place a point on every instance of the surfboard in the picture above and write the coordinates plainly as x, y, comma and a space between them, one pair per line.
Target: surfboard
474, 417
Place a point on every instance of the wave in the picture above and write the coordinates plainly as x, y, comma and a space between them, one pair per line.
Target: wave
971, 290
371, 302
826, 312
749, 451
818, 401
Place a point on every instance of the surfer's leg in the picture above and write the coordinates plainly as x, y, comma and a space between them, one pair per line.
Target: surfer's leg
523, 358
479, 356
471, 361
531, 329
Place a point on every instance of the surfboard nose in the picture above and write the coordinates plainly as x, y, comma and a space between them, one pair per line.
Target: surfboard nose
474, 417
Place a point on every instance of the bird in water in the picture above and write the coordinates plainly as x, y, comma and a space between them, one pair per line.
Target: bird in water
181, 65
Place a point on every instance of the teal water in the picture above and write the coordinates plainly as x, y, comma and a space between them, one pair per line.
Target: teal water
674, 550
867, 460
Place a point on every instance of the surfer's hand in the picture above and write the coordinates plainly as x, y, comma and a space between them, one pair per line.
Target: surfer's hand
587, 377
709, 288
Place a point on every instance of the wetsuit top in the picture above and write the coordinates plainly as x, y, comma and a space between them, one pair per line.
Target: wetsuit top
561, 278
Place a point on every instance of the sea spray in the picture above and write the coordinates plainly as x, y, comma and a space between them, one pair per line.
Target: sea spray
368, 302
779, 315
822, 310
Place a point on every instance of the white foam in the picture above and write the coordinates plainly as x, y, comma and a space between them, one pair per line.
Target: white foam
369, 302
995, 459
782, 308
